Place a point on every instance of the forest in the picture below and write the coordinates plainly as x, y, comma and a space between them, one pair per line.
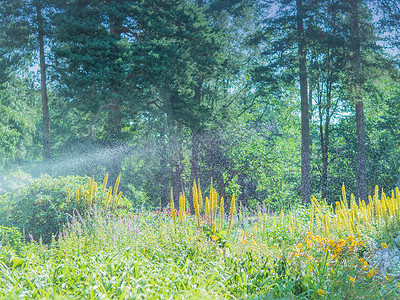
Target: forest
166, 92
289, 108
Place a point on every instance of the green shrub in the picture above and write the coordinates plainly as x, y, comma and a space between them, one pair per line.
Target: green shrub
40, 208
11, 237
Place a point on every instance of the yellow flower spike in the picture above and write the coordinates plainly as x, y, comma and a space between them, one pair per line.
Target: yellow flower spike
95, 190
221, 209
231, 212
255, 228
196, 204
214, 226
118, 199
344, 199
200, 196
321, 292
371, 273
215, 205
173, 213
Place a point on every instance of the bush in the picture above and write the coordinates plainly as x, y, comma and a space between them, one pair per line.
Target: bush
11, 237
40, 208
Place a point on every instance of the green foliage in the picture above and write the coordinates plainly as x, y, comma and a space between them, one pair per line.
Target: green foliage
140, 255
11, 237
40, 208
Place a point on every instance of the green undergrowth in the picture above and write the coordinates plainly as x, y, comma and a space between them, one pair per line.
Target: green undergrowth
100, 252
141, 256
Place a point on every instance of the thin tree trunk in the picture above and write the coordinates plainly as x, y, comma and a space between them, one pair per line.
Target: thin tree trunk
43, 86
361, 149
194, 171
326, 144
164, 171
114, 117
305, 121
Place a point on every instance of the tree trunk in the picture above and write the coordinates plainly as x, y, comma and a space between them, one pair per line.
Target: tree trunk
175, 155
305, 121
114, 117
325, 144
43, 86
194, 171
165, 187
357, 98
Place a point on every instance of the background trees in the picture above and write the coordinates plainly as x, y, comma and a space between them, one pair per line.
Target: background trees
273, 101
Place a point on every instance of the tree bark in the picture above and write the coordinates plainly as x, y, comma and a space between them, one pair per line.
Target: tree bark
305, 121
165, 187
194, 171
325, 144
43, 86
357, 98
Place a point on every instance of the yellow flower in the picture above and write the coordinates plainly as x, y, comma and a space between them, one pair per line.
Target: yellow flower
215, 238
353, 280
320, 292
384, 245
370, 273
299, 247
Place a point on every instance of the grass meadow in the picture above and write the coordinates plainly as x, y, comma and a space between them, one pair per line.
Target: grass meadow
105, 250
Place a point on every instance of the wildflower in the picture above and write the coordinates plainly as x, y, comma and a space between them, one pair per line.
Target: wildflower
384, 245
371, 272
299, 247
353, 280
321, 292
215, 238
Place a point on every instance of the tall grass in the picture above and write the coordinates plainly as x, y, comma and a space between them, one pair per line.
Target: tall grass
304, 253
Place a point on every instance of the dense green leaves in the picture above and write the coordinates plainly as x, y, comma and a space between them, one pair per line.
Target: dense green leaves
168, 92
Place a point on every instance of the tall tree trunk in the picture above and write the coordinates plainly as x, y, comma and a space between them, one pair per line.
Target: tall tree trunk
43, 86
165, 194
325, 145
114, 117
194, 170
357, 98
175, 156
305, 121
